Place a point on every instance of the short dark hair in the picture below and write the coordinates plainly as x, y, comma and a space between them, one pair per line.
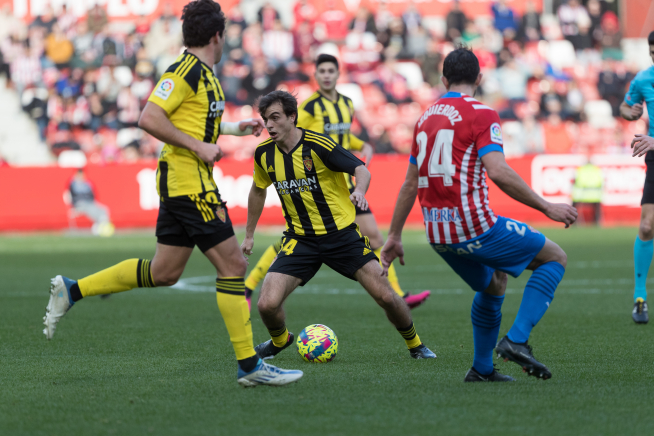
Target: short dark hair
650, 38
201, 20
461, 66
286, 99
326, 58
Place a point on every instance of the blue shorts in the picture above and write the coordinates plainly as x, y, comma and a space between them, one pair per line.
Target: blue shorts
509, 246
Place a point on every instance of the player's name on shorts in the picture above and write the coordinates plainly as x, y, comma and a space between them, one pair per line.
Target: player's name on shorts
286, 187
441, 109
444, 215
337, 128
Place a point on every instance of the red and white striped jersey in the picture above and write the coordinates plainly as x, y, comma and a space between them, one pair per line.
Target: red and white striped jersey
448, 142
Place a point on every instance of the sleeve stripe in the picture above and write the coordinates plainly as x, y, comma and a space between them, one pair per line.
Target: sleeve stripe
182, 65
481, 106
188, 68
321, 141
483, 151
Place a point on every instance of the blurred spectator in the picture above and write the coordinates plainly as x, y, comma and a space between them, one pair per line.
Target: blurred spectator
25, 68
252, 37
395, 40
277, 44
431, 64
58, 48
332, 23
456, 22
530, 29
383, 17
303, 43
613, 83
267, 16
572, 15
96, 18
363, 21
44, 21
611, 36
233, 48
262, 79
83, 201
557, 136
595, 14
412, 18
504, 17
304, 12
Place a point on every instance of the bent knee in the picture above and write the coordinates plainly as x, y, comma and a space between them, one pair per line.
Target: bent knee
167, 279
559, 256
266, 306
645, 231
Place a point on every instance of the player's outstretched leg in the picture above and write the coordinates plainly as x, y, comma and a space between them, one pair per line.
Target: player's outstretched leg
548, 268
64, 292
486, 315
276, 288
643, 252
368, 226
259, 271
396, 309
230, 295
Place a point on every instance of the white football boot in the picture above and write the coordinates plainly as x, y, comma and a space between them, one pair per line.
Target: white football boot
60, 302
264, 374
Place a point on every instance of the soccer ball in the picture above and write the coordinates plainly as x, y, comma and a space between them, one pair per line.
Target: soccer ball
317, 343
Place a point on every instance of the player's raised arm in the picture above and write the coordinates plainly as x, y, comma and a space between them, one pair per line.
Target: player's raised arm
250, 126
512, 184
405, 200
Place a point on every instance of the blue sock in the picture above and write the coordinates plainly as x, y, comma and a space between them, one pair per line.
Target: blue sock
643, 251
486, 317
537, 297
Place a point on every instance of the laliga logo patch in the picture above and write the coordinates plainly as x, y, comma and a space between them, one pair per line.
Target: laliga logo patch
165, 89
220, 213
496, 133
308, 163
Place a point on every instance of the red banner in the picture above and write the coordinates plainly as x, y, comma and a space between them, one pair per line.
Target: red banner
35, 198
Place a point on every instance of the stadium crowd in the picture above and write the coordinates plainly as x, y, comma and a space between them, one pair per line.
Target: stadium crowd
556, 81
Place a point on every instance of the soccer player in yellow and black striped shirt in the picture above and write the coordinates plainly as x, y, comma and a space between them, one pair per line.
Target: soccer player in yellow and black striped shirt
185, 111
306, 168
331, 113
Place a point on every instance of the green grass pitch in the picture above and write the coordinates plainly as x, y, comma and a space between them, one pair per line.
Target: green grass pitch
159, 361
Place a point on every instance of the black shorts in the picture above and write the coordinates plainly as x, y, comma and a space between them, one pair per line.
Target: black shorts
648, 189
190, 220
358, 210
345, 251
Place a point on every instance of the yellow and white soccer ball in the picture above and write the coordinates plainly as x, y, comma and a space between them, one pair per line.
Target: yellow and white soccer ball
317, 343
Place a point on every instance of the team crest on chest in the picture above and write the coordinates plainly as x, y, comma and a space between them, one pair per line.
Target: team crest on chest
308, 163
220, 213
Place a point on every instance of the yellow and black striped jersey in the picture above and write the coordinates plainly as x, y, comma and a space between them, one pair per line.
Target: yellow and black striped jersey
191, 95
309, 181
333, 118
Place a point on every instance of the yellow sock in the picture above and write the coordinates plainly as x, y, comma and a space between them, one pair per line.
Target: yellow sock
260, 270
392, 275
230, 294
128, 274
410, 336
279, 336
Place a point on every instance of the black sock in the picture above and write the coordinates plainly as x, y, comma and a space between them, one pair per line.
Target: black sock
248, 364
75, 293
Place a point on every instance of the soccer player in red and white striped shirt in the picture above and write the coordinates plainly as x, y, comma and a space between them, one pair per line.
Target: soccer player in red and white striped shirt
456, 142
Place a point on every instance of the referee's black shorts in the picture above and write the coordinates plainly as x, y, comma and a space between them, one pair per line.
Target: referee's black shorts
345, 251
190, 220
358, 210
648, 189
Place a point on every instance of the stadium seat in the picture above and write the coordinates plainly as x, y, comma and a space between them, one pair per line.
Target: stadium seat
599, 114
411, 72
355, 93
560, 54
72, 159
